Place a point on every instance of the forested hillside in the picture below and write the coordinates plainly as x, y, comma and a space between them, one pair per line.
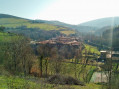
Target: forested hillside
105, 39
99, 23
94, 26
112, 36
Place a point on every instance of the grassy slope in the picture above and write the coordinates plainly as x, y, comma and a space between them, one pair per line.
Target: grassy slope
68, 32
67, 69
28, 83
17, 22
90, 48
8, 37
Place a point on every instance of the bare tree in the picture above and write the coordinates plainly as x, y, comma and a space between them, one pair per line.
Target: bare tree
44, 56
56, 60
19, 55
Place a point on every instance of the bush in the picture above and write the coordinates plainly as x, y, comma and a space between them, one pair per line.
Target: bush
58, 79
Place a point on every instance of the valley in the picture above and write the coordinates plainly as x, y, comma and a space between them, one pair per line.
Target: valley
40, 54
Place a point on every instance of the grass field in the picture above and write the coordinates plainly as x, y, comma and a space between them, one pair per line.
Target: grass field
91, 49
37, 83
68, 32
12, 21
7, 37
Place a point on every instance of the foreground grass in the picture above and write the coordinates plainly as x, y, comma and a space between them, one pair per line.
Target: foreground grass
36, 83
21, 83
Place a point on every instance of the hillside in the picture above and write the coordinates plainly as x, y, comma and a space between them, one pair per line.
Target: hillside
8, 37
107, 34
8, 16
76, 27
103, 22
32, 29
101, 30
107, 37
13, 22
97, 26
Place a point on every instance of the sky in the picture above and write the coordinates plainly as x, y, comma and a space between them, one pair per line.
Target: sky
68, 11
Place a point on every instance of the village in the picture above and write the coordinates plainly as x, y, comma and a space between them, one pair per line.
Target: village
63, 41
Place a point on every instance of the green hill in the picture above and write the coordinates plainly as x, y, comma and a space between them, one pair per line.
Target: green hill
10, 21
31, 28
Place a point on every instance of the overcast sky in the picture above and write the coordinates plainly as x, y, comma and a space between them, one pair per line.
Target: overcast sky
68, 11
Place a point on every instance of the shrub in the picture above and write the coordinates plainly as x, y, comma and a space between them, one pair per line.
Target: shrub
58, 79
